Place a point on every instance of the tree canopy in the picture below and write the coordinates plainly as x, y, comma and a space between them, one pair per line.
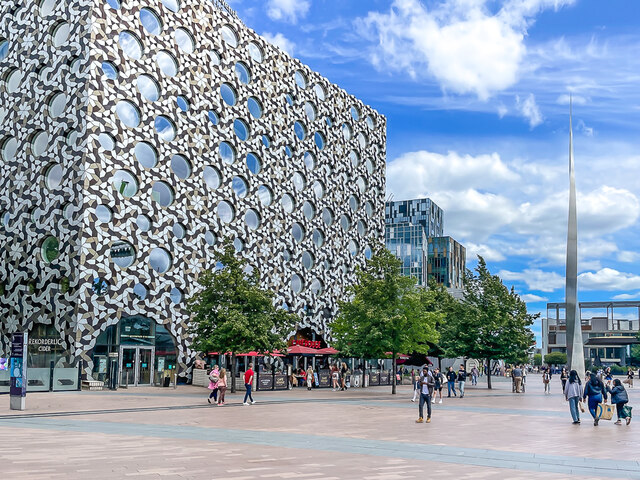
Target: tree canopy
555, 358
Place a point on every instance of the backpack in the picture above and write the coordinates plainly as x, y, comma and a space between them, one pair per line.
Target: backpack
545, 377
214, 378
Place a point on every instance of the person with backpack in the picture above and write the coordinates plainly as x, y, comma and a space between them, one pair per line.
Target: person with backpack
214, 378
594, 390
620, 397
546, 379
572, 393
451, 382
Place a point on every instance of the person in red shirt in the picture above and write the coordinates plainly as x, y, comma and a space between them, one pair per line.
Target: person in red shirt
248, 383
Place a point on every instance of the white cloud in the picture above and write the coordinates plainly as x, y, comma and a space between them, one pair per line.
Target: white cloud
582, 127
608, 279
565, 99
465, 46
529, 109
531, 298
288, 10
485, 251
627, 296
535, 279
628, 257
281, 41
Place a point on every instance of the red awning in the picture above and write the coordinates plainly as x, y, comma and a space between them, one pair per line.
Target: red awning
399, 356
327, 351
300, 350
275, 353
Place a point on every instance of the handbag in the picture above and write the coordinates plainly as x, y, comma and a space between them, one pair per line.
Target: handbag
581, 405
604, 411
626, 411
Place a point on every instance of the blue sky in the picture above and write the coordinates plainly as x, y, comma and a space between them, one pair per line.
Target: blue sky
476, 97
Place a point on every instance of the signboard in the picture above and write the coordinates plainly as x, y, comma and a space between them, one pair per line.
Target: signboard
374, 379
324, 378
18, 370
317, 344
281, 382
384, 378
265, 382
161, 364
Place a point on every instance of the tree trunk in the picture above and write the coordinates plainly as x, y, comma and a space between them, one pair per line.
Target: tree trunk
489, 374
440, 364
393, 374
233, 373
364, 372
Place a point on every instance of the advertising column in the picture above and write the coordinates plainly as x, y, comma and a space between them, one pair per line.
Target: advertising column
18, 386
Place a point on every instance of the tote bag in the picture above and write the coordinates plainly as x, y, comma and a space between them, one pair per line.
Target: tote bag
605, 411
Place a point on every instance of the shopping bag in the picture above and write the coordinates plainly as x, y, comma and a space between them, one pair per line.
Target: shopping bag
581, 405
626, 381
604, 411
626, 411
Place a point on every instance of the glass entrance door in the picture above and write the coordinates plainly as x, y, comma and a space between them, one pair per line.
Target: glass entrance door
136, 365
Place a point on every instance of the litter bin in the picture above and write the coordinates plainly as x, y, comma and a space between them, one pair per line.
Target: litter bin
166, 382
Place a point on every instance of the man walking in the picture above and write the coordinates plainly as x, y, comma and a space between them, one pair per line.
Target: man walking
451, 382
426, 386
474, 375
248, 383
517, 378
462, 378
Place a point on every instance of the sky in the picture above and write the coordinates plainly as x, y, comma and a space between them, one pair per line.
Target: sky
476, 95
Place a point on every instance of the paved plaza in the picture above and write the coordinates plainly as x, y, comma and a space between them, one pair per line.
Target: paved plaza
358, 434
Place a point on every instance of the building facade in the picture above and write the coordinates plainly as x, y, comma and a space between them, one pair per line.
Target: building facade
134, 139
609, 329
446, 261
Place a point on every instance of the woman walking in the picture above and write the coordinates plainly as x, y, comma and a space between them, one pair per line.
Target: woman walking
546, 379
563, 377
309, 377
416, 384
630, 377
594, 390
620, 397
343, 376
222, 386
214, 378
572, 393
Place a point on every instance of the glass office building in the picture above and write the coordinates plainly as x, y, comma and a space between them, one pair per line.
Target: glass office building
446, 260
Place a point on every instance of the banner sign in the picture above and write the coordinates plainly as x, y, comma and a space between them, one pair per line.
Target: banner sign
281, 382
265, 382
325, 378
18, 367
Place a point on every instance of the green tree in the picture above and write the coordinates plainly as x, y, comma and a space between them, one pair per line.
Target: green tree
555, 358
537, 359
491, 323
386, 313
232, 313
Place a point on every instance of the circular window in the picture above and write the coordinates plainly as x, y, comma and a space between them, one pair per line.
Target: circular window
289, 99
241, 129
8, 148
39, 142
183, 103
106, 141
181, 167
242, 72
318, 189
167, 63
150, 21
60, 33
308, 260
4, 48
228, 94
255, 107
227, 153
362, 140
179, 230
253, 163
327, 216
104, 214
162, 193
252, 219
210, 238
239, 186
213, 117
371, 124
301, 79
328, 121
146, 154
310, 111
355, 113
287, 151
148, 87
368, 209
140, 291
215, 58
287, 202
128, 113
211, 177
173, 5
143, 222
362, 228
130, 44
368, 165
160, 260
361, 183
354, 203
50, 249
185, 41
319, 91
122, 253
309, 210
12, 80
175, 295
225, 212
367, 252
165, 128
345, 222
6, 219
238, 244
255, 52
297, 283
265, 195
298, 232
299, 181
229, 35
347, 133
353, 247
318, 238
354, 158
316, 286
53, 176
286, 255
57, 103
300, 130
309, 160
319, 139
266, 141
110, 71
46, 7
99, 286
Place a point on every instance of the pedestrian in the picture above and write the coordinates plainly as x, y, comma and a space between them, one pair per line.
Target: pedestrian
214, 378
620, 397
451, 382
416, 384
594, 390
343, 376
474, 375
335, 377
517, 378
546, 379
438, 380
222, 386
462, 378
572, 393
309, 377
608, 377
524, 376
426, 387
630, 377
563, 377
248, 384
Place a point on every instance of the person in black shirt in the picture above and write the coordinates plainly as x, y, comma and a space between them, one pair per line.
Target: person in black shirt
462, 378
437, 387
451, 382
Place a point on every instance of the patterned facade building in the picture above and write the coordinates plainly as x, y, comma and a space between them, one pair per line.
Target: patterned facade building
134, 138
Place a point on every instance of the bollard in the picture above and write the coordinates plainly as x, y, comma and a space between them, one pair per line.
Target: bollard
175, 381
